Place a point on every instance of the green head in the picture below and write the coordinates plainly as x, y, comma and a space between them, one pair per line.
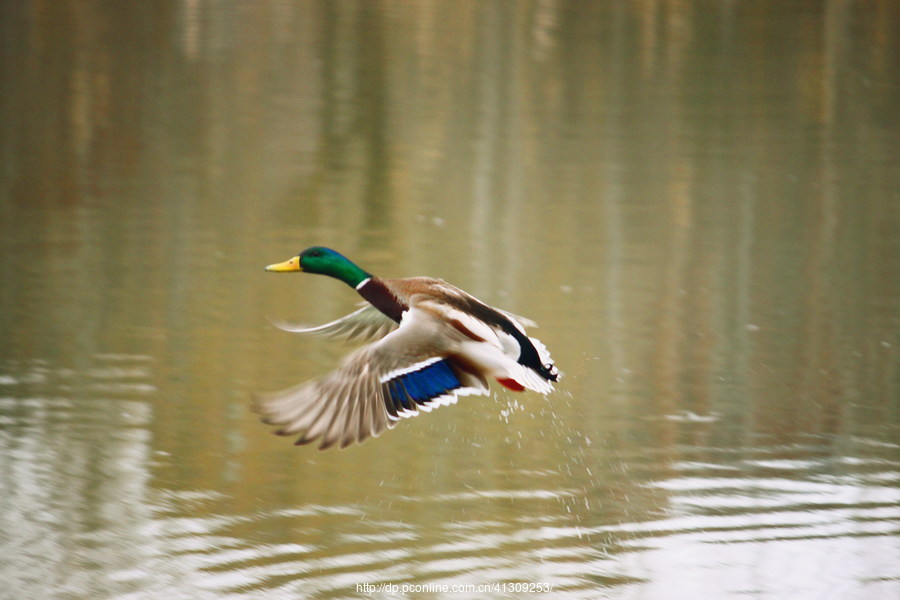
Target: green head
323, 261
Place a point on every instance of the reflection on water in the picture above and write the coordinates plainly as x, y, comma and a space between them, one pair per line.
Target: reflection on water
699, 205
82, 519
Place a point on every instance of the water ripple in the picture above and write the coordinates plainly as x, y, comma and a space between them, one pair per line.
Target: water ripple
636, 522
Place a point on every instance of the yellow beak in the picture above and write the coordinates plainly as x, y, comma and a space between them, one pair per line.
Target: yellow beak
286, 266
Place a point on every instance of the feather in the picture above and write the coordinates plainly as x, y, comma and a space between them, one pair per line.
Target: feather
429, 344
406, 370
363, 324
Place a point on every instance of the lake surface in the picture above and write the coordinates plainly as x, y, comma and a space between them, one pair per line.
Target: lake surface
699, 202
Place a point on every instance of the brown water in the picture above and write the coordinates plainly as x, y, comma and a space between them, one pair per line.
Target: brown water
698, 201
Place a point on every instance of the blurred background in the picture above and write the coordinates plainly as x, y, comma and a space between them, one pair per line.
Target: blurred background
698, 201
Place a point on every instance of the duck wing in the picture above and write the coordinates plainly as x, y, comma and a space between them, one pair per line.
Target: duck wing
366, 323
406, 371
523, 321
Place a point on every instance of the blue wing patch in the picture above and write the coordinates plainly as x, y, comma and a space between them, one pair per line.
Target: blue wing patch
419, 385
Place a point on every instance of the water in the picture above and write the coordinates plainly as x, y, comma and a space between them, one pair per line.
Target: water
697, 202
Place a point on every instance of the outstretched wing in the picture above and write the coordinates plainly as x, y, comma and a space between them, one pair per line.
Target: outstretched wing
366, 323
407, 370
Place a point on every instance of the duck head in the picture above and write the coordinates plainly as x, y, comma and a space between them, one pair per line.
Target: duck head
323, 261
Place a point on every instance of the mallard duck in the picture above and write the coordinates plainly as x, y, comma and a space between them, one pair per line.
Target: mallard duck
433, 343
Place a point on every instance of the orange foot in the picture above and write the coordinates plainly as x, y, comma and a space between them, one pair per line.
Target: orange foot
511, 384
